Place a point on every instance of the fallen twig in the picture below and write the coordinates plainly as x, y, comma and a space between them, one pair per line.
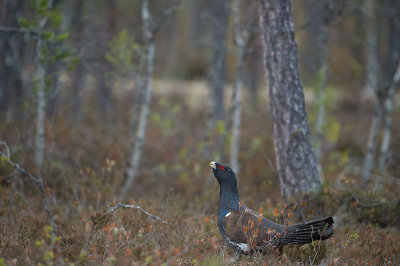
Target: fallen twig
131, 206
37, 180
363, 204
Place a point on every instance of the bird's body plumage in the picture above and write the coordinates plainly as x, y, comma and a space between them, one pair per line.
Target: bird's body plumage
246, 230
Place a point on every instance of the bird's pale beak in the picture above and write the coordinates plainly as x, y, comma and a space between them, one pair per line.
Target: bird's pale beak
212, 165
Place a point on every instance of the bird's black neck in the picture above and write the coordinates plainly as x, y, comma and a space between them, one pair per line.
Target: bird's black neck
229, 197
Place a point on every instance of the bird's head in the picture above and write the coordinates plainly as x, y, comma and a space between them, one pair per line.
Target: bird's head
223, 173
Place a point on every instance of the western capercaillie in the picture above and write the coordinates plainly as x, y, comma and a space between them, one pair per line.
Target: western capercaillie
246, 230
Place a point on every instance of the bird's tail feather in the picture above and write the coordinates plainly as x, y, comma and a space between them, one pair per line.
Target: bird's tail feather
304, 233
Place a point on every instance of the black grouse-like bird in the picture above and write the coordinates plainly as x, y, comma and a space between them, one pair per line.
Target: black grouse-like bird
246, 230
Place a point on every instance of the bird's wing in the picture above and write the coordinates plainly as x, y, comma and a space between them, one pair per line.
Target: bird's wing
232, 224
250, 230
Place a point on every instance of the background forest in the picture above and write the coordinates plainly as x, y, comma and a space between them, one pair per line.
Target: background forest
115, 101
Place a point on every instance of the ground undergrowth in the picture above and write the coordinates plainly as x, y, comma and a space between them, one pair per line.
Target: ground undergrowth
84, 171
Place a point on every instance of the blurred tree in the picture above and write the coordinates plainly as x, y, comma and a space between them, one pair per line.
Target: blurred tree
11, 58
78, 77
237, 87
371, 51
295, 159
384, 95
323, 13
150, 28
104, 89
49, 52
220, 16
243, 35
392, 8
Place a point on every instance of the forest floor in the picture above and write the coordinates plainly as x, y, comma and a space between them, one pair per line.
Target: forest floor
84, 171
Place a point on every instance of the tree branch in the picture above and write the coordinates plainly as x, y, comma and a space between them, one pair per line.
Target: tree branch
164, 15
4, 29
38, 181
364, 205
131, 206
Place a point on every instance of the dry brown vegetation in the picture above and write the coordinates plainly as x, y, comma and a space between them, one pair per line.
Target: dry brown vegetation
84, 170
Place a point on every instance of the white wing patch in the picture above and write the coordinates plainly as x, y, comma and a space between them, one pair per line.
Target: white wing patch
227, 214
243, 247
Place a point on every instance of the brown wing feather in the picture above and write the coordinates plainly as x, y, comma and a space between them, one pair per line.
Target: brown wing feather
247, 226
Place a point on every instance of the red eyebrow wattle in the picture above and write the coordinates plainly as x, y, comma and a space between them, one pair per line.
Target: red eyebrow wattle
221, 167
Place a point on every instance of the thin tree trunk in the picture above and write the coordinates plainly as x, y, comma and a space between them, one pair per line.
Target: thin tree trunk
11, 57
40, 110
319, 133
104, 86
220, 26
237, 89
372, 64
295, 159
144, 110
325, 12
220, 15
372, 141
393, 9
41, 99
384, 97
78, 79
387, 122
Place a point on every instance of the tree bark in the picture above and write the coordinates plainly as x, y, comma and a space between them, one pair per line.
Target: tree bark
295, 159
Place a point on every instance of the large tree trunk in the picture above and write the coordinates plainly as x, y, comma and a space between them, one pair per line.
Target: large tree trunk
295, 160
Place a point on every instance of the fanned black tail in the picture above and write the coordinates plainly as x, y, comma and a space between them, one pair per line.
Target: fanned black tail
300, 234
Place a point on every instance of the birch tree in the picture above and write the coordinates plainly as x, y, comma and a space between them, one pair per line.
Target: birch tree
393, 8
384, 98
371, 44
49, 49
11, 58
217, 127
242, 36
295, 159
149, 28
324, 12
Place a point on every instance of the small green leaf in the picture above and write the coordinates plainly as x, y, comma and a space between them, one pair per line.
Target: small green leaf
62, 37
23, 22
354, 236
